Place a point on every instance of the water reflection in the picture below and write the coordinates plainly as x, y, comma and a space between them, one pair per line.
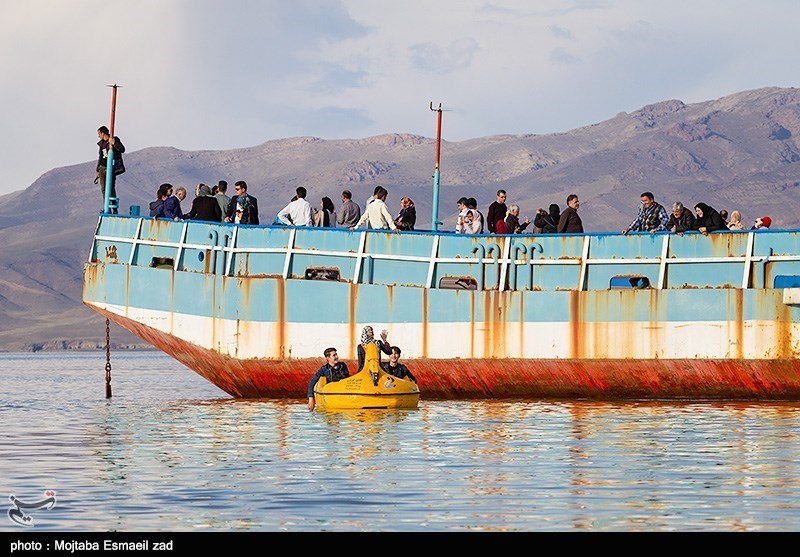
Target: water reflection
149, 459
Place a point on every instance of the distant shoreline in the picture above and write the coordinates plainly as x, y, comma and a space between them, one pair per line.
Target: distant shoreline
42, 348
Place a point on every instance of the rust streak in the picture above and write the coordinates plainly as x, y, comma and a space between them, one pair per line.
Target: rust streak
280, 295
487, 324
425, 323
576, 329
739, 323
521, 324
472, 330
655, 326
354, 336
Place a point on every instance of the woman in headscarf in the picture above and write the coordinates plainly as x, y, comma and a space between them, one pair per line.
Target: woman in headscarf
473, 222
367, 337
203, 206
407, 217
548, 222
708, 219
736, 221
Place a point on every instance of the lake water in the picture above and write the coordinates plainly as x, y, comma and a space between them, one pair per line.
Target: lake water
171, 452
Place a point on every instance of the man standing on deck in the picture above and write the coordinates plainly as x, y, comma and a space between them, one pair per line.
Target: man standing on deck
333, 371
497, 211
349, 212
243, 207
106, 142
570, 222
377, 215
298, 212
222, 198
652, 216
172, 205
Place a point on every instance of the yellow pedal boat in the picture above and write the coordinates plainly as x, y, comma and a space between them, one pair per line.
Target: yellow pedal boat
370, 388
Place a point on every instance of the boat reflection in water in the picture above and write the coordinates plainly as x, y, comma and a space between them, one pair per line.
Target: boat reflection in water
147, 460
490, 465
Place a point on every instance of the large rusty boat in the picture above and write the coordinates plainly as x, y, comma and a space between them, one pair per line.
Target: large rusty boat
603, 316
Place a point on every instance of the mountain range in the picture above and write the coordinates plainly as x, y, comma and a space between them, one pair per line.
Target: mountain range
737, 152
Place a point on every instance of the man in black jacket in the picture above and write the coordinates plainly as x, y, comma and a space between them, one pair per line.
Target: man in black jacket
243, 208
497, 211
570, 222
333, 371
106, 142
395, 368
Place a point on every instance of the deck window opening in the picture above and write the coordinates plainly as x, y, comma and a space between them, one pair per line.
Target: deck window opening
629, 282
163, 263
322, 273
458, 283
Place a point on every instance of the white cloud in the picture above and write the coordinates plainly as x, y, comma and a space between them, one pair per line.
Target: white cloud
560, 32
561, 56
457, 55
207, 74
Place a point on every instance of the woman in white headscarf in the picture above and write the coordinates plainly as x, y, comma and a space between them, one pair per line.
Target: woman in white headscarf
367, 337
736, 221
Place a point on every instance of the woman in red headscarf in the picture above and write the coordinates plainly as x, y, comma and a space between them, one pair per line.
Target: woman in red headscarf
408, 215
762, 222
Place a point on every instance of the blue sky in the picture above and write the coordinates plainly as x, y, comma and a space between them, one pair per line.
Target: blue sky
202, 74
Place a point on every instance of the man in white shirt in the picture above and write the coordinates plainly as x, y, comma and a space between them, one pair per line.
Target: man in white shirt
373, 196
298, 212
377, 214
461, 224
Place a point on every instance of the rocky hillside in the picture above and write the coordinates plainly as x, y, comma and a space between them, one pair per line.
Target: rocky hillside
737, 152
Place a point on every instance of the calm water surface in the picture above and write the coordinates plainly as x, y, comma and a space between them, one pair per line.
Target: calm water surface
171, 452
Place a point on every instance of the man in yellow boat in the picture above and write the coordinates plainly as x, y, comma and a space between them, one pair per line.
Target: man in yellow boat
333, 370
394, 367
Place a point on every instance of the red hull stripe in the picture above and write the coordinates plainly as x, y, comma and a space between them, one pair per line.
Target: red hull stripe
503, 378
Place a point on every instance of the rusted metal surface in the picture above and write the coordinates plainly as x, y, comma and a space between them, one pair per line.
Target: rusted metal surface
561, 331
610, 379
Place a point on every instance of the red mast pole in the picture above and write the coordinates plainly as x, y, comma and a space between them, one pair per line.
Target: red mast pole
435, 222
113, 107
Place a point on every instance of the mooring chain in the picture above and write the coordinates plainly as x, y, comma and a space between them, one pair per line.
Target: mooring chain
108, 360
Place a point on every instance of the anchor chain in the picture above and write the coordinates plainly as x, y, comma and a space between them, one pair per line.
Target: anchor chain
108, 360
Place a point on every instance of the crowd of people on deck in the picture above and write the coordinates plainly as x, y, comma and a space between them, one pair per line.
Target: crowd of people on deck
214, 205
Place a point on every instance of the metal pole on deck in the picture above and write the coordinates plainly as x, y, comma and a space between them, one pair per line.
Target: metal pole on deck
436, 173
110, 159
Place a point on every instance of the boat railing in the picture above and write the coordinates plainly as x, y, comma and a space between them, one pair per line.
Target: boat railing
423, 259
